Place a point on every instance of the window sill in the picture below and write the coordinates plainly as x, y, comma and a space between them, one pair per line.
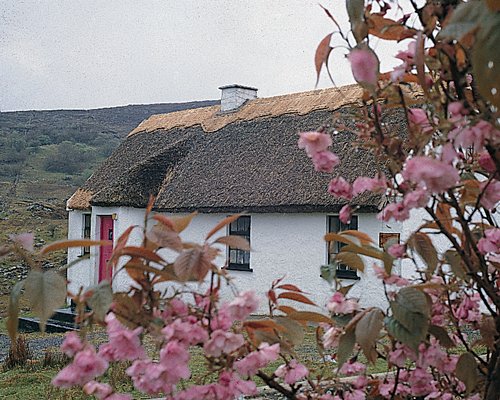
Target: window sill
239, 268
347, 275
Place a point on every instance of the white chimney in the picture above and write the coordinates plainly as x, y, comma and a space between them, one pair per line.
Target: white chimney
234, 96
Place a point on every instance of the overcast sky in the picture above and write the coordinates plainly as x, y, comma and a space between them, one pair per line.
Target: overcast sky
87, 54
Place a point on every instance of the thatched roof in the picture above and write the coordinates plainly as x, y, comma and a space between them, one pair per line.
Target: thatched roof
246, 160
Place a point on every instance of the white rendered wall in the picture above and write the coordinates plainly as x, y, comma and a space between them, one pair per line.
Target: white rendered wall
288, 245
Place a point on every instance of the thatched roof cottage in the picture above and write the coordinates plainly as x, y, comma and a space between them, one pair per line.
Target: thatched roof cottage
239, 156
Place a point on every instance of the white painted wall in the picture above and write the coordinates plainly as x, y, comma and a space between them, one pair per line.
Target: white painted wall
283, 244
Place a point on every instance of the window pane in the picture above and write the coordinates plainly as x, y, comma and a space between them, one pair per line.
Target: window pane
240, 258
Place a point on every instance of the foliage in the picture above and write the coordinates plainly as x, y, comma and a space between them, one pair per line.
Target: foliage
447, 166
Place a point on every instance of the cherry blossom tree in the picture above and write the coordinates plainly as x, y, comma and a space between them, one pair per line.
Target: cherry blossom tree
447, 166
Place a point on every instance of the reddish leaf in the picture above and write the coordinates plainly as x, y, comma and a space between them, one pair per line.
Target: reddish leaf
288, 286
235, 242
165, 221
287, 310
141, 252
419, 60
123, 239
271, 294
388, 29
64, 244
263, 324
331, 17
165, 237
222, 224
192, 264
363, 237
150, 205
322, 53
181, 223
310, 316
296, 297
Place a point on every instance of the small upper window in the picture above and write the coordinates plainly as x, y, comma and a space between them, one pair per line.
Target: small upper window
336, 226
240, 259
86, 232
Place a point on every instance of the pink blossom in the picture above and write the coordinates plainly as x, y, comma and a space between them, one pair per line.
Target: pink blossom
491, 194
345, 214
230, 386
407, 56
486, 162
161, 377
222, 342
449, 154
457, 109
397, 250
418, 117
249, 365
99, 390
339, 187
331, 337
363, 183
490, 243
355, 395
189, 332
86, 366
352, 368
360, 382
243, 305
389, 279
436, 175
475, 136
420, 382
468, 310
325, 161
119, 396
400, 354
416, 199
398, 73
24, 240
72, 344
338, 304
396, 211
314, 142
364, 65
291, 372
124, 344
222, 318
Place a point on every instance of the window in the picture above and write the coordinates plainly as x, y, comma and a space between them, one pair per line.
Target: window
86, 232
335, 225
240, 259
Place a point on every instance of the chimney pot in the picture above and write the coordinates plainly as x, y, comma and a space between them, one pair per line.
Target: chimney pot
234, 96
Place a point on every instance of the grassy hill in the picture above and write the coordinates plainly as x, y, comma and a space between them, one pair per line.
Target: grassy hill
46, 155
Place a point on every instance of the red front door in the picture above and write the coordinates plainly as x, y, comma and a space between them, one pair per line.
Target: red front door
105, 270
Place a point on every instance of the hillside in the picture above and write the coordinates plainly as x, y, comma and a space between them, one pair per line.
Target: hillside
46, 155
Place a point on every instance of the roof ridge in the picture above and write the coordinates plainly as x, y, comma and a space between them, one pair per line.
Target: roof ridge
211, 120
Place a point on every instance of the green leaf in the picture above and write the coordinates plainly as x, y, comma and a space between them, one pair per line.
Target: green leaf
442, 335
293, 332
46, 291
465, 19
327, 272
367, 332
346, 346
13, 311
411, 311
356, 12
399, 332
100, 299
466, 371
486, 58
453, 259
422, 244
